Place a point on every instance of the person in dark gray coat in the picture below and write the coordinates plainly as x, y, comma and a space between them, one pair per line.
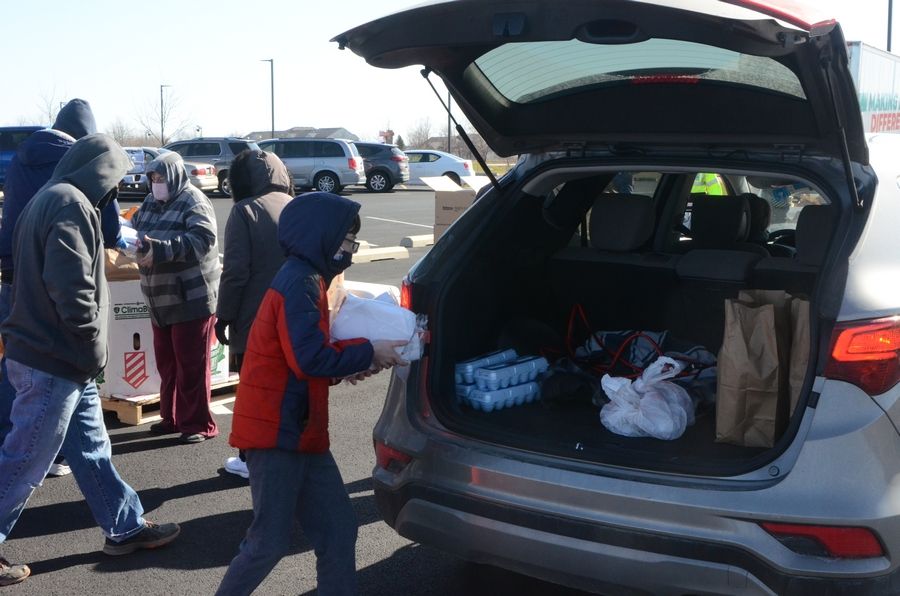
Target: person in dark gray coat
260, 187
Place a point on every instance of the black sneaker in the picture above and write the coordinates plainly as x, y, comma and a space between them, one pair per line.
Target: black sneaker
152, 536
12, 574
163, 428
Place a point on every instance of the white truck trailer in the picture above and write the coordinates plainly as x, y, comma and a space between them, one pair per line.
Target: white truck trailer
877, 77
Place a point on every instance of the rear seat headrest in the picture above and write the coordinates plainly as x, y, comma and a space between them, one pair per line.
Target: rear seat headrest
760, 217
814, 227
719, 221
621, 222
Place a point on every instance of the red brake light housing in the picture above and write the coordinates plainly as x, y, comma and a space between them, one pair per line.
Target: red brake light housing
351, 162
838, 542
389, 458
399, 158
406, 294
866, 354
466, 165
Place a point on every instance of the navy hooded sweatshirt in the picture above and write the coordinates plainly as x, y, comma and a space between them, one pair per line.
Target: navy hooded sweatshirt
32, 167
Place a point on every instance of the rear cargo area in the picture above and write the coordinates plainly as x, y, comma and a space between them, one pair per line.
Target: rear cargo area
584, 259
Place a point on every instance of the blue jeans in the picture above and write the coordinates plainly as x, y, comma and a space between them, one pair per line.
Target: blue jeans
51, 415
7, 393
307, 486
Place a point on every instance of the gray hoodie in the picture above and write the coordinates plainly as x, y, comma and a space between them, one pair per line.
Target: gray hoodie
58, 322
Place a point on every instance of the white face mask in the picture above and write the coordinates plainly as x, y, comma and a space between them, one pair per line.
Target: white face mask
160, 191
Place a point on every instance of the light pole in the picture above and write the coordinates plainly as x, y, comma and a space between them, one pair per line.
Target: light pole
448, 122
162, 117
199, 130
271, 62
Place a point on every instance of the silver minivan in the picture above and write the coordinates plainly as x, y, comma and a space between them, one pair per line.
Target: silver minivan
327, 165
671, 156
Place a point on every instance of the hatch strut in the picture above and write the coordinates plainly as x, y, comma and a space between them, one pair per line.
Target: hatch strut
462, 133
842, 136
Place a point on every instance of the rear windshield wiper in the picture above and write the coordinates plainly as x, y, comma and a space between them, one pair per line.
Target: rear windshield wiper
462, 133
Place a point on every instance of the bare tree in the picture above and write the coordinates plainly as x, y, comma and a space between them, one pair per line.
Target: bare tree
420, 133
162, 120
48, 107
120, 131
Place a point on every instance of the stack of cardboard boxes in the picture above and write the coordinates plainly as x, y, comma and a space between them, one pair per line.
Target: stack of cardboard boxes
451, 199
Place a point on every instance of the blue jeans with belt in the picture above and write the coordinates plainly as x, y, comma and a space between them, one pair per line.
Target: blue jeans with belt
49, 415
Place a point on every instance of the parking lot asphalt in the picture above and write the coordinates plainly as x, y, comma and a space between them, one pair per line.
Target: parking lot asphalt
187, 484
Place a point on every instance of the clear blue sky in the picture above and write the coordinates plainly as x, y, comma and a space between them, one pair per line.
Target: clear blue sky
116, 54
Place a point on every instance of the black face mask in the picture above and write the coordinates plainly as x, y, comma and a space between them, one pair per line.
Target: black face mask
107, 199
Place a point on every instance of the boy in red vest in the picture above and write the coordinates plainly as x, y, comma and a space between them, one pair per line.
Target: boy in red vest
281, 412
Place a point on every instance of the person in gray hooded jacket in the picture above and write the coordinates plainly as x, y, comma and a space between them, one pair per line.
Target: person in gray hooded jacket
56, 345
180, 272
260, 187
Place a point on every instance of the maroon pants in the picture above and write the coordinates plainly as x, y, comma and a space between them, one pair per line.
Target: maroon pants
182, 358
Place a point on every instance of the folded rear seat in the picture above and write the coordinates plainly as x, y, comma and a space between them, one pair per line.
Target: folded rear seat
616, 279
797, 274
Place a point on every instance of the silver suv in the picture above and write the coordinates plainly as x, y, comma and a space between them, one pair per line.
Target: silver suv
218, 151
671, 156
327, 165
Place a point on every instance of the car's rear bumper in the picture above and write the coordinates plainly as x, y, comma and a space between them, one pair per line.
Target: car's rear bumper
205, 183
595, 557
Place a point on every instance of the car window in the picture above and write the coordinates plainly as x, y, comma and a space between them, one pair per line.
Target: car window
786, 202
397, 152
295, 149
638, 183
328, 149
531, 71
705, 183
366, 150
180, 149
148, 157
205, 149
414, 157
354, 150
10, 139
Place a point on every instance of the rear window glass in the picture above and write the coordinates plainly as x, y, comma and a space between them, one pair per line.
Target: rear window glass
328, 150
634, 183
238, 147
529, 72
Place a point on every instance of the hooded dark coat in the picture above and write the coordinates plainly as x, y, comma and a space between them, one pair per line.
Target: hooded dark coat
58, 321
32, 166
253, 254
290, 359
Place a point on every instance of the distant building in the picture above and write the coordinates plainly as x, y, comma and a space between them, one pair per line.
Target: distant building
304, 132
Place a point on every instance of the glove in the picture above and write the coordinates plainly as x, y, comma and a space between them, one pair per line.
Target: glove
220, 328
146, 260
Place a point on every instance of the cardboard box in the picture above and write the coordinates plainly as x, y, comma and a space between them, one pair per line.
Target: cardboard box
451, 199
131, 369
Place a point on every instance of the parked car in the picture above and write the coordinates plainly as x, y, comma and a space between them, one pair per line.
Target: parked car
218, 151
201, 175
385, 165
327, 165
10, 137
428, 162
767, 112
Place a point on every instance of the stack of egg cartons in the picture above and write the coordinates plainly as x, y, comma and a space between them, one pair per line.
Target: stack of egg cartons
499, 380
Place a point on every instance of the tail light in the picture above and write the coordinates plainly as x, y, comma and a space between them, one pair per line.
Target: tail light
467, 165
198, 172
839, 542
400, 158
351, 163
867, 354
212, 170
390, 459
406, 294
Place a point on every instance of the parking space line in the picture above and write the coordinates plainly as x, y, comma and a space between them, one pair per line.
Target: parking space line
408, 223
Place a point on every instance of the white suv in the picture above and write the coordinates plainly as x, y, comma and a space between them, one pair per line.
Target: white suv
327, 165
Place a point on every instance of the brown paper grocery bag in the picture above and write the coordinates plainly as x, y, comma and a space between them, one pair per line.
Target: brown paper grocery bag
120, 267
752, 398
799, 349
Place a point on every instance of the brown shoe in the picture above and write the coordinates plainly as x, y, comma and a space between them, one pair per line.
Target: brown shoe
12, 574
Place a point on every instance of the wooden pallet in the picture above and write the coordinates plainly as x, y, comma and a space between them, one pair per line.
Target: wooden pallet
145, 408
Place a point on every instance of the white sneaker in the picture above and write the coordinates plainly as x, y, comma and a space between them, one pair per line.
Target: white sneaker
59, 468
234, 465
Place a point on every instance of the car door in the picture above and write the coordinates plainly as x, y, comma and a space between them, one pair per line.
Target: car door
297, 156
420, 166
531, 77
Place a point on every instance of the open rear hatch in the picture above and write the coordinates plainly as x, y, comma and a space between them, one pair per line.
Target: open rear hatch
536, 75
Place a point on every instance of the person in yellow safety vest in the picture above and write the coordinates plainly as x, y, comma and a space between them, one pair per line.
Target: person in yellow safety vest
710, 184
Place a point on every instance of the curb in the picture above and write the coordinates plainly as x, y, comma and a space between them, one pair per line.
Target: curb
417, 241
381, 253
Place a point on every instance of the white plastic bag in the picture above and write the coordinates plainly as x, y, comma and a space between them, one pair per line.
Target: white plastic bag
650, 406
379, 319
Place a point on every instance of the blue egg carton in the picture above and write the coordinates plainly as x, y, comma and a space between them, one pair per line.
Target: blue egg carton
498, 399
506, 374
465, 371
463, 390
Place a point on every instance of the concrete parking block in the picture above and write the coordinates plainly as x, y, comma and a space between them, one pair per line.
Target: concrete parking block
382, 253
363, 245
417, 241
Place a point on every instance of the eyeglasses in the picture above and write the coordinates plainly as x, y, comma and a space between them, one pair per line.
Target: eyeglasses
350, 245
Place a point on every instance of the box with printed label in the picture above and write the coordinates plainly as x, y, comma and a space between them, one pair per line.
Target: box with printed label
131, 368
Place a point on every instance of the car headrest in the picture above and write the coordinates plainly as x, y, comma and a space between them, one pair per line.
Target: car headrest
621, 222
760, 217
719, 221
814, 227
